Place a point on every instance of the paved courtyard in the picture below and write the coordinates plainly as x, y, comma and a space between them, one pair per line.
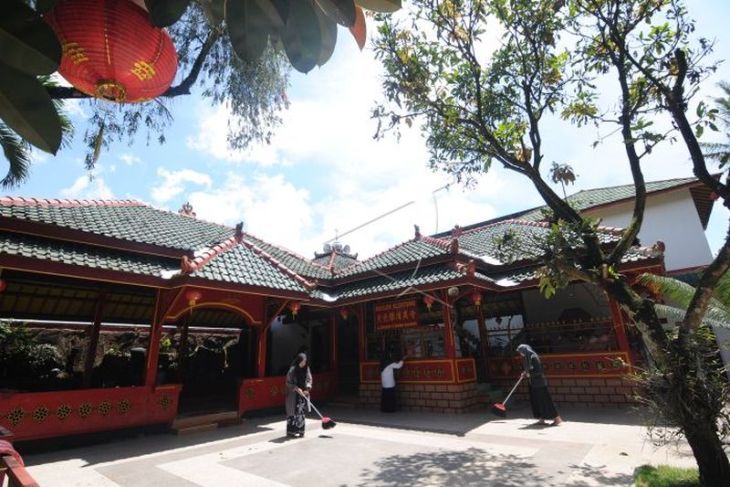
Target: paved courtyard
368, 448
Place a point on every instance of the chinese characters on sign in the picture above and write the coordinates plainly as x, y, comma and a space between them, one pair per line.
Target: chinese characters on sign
399, 314
428, 371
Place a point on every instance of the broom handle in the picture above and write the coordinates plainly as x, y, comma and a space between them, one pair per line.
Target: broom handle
513, 390
311, 405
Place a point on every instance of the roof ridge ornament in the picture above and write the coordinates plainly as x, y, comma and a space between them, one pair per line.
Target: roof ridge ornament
187, 210
417, 230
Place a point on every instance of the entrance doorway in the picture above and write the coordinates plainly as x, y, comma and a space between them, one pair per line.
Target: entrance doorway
348, 358
215, 349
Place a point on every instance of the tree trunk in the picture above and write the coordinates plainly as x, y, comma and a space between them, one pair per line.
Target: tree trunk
710, 456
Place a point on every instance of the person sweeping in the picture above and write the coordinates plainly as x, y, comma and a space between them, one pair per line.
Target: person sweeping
298, 385
543, 408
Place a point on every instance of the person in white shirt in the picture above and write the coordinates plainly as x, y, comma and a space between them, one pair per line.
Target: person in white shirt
388, 402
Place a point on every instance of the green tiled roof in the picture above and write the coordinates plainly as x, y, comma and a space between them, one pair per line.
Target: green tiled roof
588, 198
393, 282
481, 241
133, 222
241, 265
297, 263
83, 255
407, 252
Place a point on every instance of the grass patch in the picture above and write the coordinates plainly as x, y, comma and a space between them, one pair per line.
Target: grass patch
666, 476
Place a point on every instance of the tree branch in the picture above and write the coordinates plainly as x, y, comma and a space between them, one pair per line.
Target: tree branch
704, 291
184, 87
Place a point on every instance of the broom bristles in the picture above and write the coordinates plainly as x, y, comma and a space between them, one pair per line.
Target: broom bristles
499, 409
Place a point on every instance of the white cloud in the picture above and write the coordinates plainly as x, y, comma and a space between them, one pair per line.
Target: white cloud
130, 159
174, 182
85, 187
270, 207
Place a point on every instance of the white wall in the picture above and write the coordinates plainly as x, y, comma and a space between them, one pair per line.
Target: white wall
670, 217
585, 296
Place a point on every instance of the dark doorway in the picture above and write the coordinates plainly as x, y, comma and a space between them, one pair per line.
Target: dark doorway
214, 350
348, 357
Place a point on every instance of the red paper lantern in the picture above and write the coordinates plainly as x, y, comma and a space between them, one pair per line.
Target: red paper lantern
294, 308
193, 297
344, 313
111, 50
429, 300
476, 298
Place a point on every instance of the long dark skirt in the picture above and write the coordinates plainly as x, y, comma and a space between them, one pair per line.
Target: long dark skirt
295, 424
387, 400
542, 404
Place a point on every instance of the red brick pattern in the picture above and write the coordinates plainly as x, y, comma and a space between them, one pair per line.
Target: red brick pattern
441, 398
609, 391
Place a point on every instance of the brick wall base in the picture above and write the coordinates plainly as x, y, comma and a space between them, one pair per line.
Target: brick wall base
609, 391
442, 398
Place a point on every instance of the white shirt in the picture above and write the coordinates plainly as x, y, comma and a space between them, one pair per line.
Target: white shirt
386, 376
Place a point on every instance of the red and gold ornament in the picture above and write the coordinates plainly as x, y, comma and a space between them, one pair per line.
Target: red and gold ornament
112, 51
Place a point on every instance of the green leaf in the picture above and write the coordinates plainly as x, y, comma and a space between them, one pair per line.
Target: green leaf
164, 13
328, 29
26, 107
341, 11
699, 130
384, 6
302, 36
27, 43
248, 28
276, 10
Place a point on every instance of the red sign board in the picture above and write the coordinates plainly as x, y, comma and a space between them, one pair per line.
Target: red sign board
397, 314
433, 371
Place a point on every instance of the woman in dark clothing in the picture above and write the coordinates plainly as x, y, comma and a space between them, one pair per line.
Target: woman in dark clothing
298, 382
543, 407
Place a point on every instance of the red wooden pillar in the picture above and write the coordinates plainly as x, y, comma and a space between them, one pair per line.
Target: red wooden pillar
619, 326
263, 339
447, 311
164, 301
153, 351
94, 333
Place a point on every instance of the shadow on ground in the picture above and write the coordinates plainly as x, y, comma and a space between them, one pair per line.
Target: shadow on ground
95, 449
468, 467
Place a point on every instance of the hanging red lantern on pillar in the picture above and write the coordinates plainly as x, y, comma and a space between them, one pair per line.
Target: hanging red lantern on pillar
476, 298
429, 300
344, 313
112, 51
193, 297
294, 308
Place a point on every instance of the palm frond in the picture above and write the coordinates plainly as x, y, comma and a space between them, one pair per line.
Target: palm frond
675, 315
679, 294
17, 153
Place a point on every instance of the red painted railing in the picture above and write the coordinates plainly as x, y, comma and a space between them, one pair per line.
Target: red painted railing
11, 464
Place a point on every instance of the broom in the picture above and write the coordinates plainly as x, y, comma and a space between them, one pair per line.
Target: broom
500, 408
327, 422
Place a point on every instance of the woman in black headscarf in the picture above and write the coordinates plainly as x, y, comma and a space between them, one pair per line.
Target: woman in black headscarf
298, 383
543, 407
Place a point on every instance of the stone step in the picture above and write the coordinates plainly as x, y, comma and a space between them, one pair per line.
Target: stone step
206, 420
199, 428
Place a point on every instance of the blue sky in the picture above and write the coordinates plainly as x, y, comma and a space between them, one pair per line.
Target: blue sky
323, 172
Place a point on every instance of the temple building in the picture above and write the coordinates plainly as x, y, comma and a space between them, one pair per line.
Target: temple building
116, 314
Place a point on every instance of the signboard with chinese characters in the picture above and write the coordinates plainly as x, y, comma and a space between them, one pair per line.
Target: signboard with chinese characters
396, 314
438, 371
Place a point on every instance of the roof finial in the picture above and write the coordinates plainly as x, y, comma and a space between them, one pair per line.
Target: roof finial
456, 232
418, 232
187, 210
